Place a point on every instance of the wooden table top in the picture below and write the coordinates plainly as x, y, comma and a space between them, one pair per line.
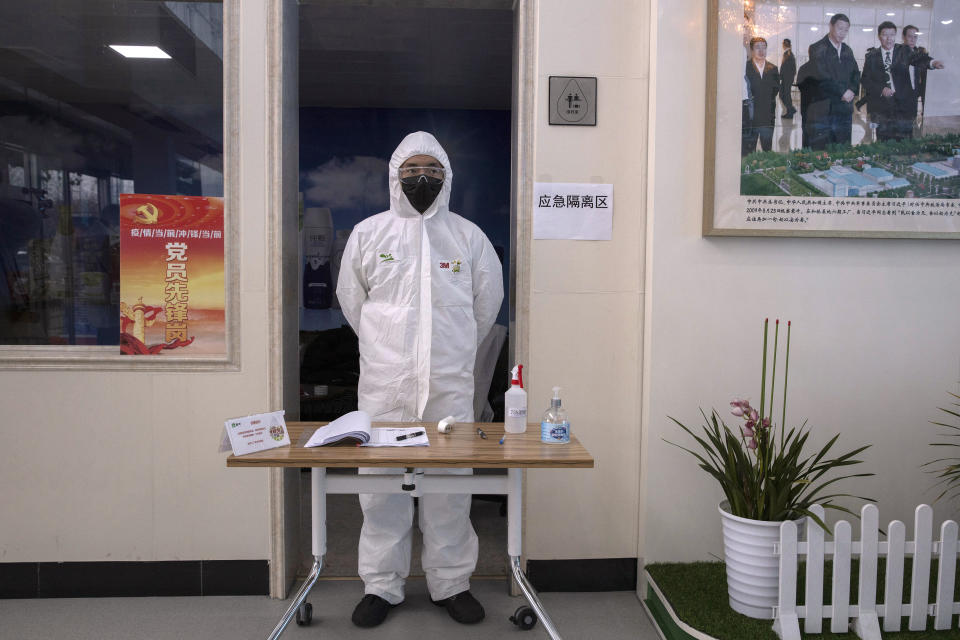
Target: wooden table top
462, 448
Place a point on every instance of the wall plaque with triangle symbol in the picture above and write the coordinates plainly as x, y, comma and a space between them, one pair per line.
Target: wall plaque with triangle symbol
573, 100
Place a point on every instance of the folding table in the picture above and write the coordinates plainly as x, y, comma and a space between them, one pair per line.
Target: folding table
461, 448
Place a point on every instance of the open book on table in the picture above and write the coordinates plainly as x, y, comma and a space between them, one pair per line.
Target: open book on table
354, 428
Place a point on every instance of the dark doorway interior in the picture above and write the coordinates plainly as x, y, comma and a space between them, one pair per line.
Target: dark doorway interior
370, 73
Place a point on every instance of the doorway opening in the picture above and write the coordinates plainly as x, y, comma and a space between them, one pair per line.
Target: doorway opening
369, 73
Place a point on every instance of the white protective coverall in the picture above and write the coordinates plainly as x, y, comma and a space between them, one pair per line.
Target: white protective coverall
421, 292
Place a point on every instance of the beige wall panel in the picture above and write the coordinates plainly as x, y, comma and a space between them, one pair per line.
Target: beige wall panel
175, 433
192, 524
589, 266
586, 304
588, 344
124, 466
597, 38
613, 152
75, 481
615, 148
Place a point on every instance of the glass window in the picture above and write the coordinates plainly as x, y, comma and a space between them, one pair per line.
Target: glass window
83, 119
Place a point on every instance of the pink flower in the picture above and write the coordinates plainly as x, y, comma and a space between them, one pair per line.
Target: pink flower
752, 444
748, 431
740, 407
753, 414
766, 423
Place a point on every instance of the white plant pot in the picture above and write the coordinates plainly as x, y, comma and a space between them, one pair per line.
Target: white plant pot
753, 572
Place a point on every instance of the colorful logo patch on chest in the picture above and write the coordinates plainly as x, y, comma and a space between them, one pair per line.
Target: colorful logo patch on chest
451, 265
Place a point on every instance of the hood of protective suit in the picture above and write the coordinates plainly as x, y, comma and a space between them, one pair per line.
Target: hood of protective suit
418, 143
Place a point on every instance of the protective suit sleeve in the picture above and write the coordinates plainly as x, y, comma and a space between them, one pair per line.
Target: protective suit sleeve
351, 284
487, 289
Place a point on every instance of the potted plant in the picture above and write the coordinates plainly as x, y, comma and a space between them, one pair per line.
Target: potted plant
767, 476
947, 469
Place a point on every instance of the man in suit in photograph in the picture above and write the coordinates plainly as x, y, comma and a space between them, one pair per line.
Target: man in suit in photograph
920, 62
809, 88
833, 81
886, 85
763, 79
788, 71
746, 121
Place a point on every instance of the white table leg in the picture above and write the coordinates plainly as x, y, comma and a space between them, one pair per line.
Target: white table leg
318, 511
514, 549
318, 508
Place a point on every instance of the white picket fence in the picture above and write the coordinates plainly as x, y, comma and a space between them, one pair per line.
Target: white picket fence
866, 613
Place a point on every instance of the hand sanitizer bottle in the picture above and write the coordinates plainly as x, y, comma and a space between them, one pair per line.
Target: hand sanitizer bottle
515, 404
555, 428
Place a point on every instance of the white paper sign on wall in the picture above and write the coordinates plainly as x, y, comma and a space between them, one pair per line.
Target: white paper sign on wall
572, 211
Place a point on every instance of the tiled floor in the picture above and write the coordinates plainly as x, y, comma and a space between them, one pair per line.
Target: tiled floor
598, 616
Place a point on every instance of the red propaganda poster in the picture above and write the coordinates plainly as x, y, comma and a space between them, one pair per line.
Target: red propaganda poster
171, 275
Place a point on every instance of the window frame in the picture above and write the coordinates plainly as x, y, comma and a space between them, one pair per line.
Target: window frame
108, 357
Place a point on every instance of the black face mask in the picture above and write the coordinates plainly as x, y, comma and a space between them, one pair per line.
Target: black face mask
423, 192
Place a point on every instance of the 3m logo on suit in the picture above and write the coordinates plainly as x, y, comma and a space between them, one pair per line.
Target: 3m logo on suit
452, 265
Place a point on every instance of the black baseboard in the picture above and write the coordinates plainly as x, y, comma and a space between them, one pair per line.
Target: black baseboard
119, 579
18, 580
602, 574
251, 577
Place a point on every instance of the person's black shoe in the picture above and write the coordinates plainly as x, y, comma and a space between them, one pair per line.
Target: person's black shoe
462, 607
371, 611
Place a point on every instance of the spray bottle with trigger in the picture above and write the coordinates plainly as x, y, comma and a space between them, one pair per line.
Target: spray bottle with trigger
515, 404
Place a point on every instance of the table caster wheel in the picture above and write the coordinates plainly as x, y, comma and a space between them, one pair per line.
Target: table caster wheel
525, 618
305, 614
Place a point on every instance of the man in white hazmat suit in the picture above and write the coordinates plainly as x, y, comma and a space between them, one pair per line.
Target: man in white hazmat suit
421, 286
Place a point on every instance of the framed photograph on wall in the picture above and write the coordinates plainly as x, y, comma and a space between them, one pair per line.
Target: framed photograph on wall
833, 118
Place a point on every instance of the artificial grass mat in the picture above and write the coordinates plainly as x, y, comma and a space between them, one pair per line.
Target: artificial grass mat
697, 592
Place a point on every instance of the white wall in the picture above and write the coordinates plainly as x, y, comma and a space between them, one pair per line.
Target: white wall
586, 297
124, 465
876, 342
